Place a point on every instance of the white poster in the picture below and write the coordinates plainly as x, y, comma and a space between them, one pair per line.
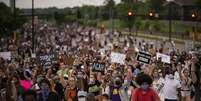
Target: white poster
33, 55
5, 55
117, 58
164, 58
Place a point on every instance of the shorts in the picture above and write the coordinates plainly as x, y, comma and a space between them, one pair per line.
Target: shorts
185, 93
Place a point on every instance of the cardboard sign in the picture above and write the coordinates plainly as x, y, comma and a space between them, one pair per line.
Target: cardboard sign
144, 57
5, 55
70, 60
98, 67
117, 58
164, 58
47, 59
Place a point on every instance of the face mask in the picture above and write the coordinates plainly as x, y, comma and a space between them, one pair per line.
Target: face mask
118, 82
45, 87
81, 99
129, 92
171, 76
144, 86
80, 76
91, 81
126, 81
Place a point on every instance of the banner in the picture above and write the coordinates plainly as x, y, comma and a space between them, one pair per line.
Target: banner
117, 58
5, 55
47, 59
98, 67
144, 57
164, 58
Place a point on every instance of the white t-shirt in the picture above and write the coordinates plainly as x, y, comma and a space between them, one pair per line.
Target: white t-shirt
170, 88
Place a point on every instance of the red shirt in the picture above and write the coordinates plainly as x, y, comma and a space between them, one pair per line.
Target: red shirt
139, 94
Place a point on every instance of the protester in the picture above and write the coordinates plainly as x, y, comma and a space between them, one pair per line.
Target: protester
186, 85
30, 95
145, 92
172, 87
75, 63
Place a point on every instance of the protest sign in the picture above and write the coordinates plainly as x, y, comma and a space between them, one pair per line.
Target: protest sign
164, 58
144, 57
98, 67
117, 58
70, 60
33, 55
5, 55
47, 59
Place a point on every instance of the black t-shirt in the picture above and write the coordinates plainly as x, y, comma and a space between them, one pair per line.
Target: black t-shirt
51, 97
59, 89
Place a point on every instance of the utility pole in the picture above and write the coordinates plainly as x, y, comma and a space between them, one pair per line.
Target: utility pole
33, 30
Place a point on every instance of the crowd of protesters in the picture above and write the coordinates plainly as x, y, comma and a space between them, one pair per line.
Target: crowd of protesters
71, 77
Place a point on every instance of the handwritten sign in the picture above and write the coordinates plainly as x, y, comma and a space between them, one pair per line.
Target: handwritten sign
117, 58
5, 55
47, 59
98, 67
164, 58
144, 57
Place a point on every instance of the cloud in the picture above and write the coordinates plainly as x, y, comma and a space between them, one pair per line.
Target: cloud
55, 3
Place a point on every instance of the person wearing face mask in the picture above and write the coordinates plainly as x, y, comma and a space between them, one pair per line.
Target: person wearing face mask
81, 93
158, 83
45, 92
94, 85
186, 84
117, 91
171, 87
71, 90
144, 92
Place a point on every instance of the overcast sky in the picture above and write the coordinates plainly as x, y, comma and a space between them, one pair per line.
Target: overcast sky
55, 3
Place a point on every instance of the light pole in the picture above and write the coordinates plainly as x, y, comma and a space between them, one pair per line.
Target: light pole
194, 16
130, 15
33, 32
170, 18
14, 13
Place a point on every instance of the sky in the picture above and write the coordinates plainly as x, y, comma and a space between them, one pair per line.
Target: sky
55, 3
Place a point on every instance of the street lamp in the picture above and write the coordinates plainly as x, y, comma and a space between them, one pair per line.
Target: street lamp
170, 17
151, 14
194, 16
130, 15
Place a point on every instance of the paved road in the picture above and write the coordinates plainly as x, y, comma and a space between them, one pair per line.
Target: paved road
157, 43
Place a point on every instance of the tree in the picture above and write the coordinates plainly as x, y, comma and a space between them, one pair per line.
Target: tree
156, 5
128, 1
7, 22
